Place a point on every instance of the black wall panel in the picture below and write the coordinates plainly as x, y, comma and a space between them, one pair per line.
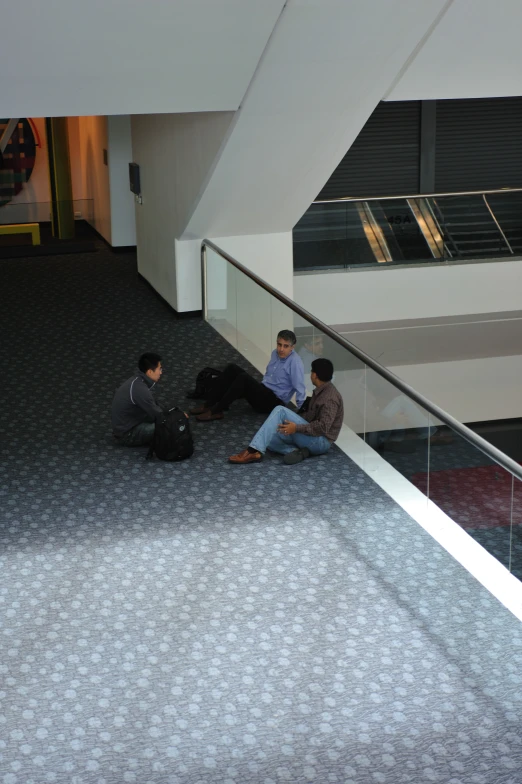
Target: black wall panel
384, 159
478, 144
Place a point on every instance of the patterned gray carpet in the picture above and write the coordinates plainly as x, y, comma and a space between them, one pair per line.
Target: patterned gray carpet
202, 622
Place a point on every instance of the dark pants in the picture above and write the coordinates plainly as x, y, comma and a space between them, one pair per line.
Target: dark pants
139, 435
235, 383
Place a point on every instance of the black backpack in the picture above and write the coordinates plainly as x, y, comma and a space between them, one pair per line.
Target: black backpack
172, 438
204, 381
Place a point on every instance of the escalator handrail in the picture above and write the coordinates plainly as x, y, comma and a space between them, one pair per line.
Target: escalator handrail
468, 435
415, 196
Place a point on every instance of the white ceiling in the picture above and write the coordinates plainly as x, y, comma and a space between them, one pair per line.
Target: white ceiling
81, 57
473, 52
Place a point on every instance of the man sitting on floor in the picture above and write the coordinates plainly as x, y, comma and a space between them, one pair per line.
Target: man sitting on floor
313, 433
134, 409
284, 376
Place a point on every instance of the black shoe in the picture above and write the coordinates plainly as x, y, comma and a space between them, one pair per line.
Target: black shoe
296, 456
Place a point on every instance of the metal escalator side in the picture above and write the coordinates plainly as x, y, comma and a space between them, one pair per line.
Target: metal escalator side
373, 233
429, 227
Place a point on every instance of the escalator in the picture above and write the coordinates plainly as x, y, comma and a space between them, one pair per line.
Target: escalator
331, 236
405, 230
402, 231
470, 230
507, 208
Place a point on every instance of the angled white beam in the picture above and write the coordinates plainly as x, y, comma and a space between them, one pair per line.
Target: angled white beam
326, 66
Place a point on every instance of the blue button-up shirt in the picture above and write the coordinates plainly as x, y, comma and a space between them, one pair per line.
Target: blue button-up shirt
286, 376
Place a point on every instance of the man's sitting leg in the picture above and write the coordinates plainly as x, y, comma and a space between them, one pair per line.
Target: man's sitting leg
218, 388
139, 435
295, 447
265, 436
244, 386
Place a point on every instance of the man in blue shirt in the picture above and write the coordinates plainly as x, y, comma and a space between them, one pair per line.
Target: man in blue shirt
283, 378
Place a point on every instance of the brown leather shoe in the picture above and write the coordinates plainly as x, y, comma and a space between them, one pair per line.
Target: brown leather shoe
198, 410
208, 416
245, 457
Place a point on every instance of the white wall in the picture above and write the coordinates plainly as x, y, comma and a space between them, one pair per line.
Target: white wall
474, 52
472, 390
268, 255
123, 220
108, 57
175, 154
377, 294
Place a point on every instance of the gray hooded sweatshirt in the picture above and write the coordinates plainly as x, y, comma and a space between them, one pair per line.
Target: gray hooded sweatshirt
133, 403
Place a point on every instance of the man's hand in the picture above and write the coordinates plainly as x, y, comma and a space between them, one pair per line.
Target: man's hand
287, 428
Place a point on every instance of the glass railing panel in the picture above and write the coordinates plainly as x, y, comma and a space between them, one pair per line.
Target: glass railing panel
40, 211
349, 378
397, 427
320, 237
515, 554
333, 236
221, 292
313, 343
473, 490
255, 339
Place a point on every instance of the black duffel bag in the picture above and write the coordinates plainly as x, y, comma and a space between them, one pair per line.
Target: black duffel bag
204, 381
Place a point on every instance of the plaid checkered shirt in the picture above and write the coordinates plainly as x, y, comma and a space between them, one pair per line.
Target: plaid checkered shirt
325, 413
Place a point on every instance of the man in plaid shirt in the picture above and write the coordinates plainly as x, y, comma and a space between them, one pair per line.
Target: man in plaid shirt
297, 437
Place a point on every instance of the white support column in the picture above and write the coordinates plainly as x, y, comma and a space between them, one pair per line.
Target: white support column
123, 220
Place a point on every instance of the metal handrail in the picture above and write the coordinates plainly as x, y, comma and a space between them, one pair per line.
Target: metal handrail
468, 435
414, 196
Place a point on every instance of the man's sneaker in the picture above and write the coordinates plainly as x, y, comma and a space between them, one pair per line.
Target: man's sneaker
296, 456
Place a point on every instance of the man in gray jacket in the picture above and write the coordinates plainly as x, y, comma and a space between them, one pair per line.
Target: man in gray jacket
134, 409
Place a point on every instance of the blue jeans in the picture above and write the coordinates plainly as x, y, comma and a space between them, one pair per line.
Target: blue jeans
267, 436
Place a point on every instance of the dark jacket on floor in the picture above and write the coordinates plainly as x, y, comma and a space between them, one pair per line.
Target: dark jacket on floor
133, 403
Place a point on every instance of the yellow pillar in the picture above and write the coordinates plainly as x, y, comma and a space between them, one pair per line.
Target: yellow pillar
62, 208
